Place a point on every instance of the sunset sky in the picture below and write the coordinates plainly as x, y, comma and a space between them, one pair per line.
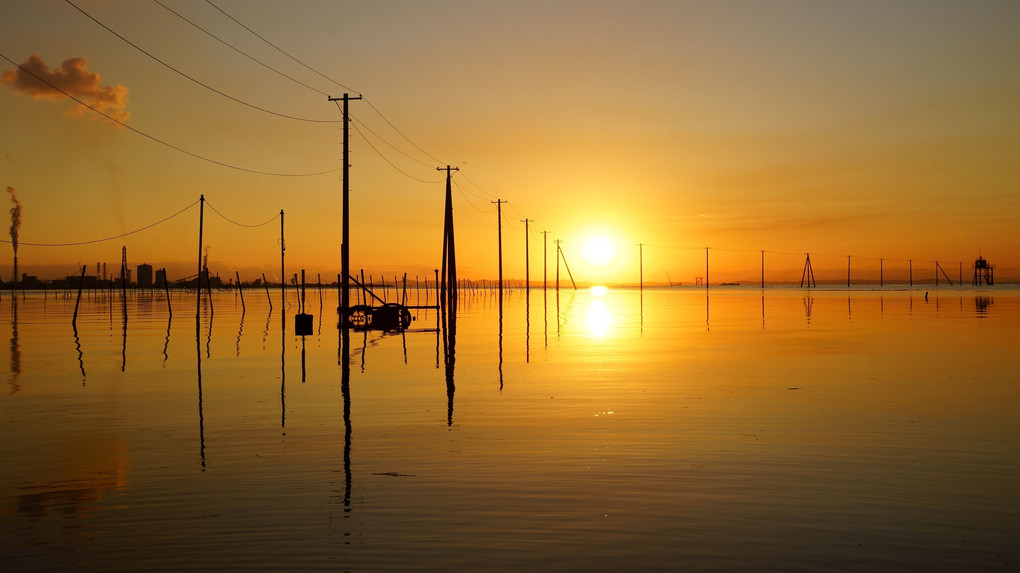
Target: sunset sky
874, 129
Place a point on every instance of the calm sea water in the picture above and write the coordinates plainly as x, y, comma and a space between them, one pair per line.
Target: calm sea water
671, 430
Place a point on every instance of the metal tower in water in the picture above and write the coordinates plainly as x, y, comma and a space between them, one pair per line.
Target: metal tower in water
984, 273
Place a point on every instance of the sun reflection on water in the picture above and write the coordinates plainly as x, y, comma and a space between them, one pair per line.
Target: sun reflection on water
599, 318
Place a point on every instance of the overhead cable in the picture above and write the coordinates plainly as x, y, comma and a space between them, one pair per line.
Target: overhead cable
386, 159
229, 220
279, 49
320, 74
394, 147
239, 51
398, 131
160, 141
22, 243
182, 74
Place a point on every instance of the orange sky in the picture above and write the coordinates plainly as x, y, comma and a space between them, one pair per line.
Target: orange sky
870, 129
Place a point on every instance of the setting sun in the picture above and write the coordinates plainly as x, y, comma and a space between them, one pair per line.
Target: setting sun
598, 250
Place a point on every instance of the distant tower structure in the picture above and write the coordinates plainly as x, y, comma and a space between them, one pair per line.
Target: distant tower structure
160, 280
984, 273
144, 277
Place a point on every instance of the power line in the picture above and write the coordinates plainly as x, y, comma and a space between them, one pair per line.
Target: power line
239, 51
376, 110
468, 199
160, 141
320, 74
468, 179
22, 243
391, 164
279, 49
228, 219
182, 74
394, 147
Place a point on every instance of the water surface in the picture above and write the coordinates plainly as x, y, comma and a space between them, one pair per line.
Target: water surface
665, 430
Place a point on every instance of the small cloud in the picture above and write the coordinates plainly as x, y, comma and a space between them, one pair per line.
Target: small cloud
73, 78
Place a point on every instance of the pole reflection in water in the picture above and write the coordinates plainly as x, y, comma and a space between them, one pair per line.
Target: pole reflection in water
283, 376
201, 417
208, 340
166, 341
641, 311
545, 318
449, 358
708, 324
501, 339
763, 309
265, 331
81, 356
527, 326
16, 348
345, 392
123, 348
557, 314
240, 329
303, 371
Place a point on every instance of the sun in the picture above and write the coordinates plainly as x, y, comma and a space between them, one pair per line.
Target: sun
598, 250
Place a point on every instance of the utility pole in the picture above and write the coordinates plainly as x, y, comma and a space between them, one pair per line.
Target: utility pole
198, 278
499, 228
345, 240
763, 268
881, 273
449, 276
557, 241
560, 255
641, 266
809, 273
283, 281
527, 252
848, 271
706, 268
545, 254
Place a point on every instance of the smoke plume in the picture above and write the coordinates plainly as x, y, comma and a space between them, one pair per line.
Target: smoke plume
205, 260
15, 219
73, 78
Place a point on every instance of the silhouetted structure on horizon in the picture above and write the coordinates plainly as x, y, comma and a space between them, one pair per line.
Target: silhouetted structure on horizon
984, 273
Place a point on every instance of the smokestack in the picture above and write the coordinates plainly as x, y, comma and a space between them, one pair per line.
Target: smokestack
15, 227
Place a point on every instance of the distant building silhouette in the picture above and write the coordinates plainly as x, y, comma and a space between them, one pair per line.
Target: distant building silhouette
145, 275
160, 281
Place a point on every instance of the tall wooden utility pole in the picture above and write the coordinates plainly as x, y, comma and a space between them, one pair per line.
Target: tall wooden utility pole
198, 278
706, 268
545, 253
345, 239
641, 266
283, 281
527, 253
449, 275
848, 271
499, 227
763, 268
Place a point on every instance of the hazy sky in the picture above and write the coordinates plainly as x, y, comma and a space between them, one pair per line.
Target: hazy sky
877, 129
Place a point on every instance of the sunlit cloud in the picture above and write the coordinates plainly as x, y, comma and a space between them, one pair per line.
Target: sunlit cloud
74, 79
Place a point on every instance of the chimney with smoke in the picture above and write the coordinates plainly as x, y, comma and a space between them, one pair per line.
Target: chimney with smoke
15, 227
